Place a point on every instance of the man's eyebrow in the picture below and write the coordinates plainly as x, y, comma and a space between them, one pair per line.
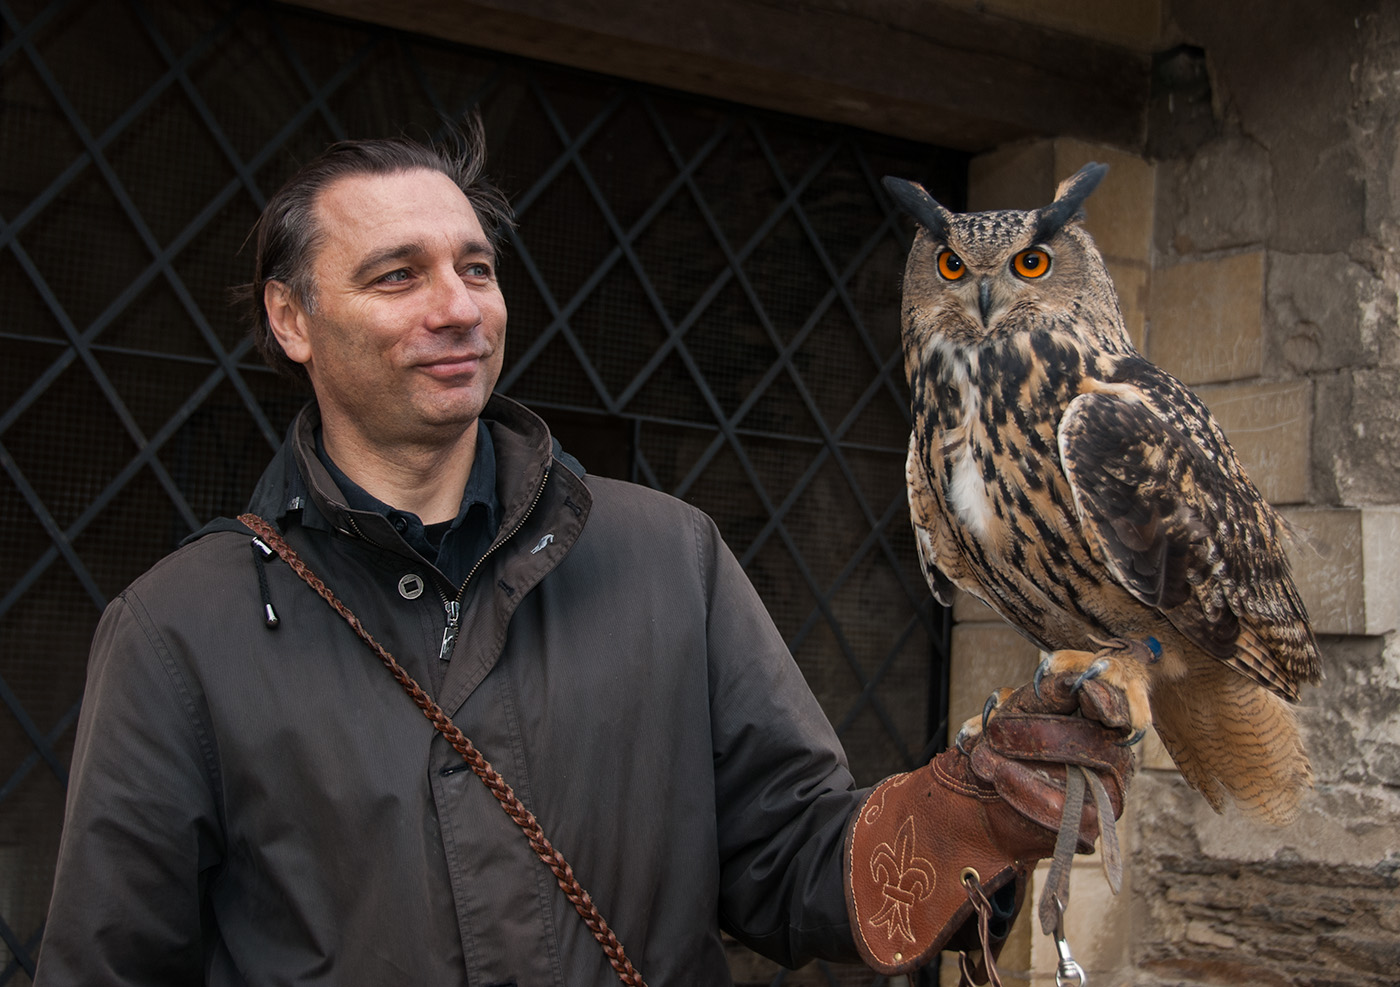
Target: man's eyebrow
374, 261
478, 248
371, 264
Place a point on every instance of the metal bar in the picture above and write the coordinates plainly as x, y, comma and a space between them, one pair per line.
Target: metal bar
176, 66
614, 403
17, 950
735, 266
33, 757
318, 96
99, 503
708, 396
114, 130
31, 730
50, 526
24, 33
108, 348
176, 283
831, 438
104, 383
140, 282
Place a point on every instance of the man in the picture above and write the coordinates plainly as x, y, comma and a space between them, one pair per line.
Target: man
254, 799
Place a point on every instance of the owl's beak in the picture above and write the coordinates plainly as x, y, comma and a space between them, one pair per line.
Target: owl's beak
984, 300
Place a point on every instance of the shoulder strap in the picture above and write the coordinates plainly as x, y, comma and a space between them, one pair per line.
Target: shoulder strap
510, 802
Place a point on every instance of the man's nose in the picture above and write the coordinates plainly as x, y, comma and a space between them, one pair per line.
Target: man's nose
455, 303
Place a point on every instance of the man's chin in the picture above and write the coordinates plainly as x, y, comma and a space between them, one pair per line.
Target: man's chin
451, 415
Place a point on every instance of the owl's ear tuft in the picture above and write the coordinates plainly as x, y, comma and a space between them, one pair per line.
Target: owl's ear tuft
1069, 197
911, 197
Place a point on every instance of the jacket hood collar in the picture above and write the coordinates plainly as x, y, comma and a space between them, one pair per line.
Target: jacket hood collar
296, 480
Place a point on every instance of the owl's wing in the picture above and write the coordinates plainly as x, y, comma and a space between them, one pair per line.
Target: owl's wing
1166, 506
939, 558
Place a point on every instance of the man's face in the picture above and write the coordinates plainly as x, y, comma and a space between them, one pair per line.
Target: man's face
405, 340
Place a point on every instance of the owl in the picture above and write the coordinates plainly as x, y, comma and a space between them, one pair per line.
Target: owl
1090, 498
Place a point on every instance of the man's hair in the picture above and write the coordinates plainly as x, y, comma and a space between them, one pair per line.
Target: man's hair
288, 237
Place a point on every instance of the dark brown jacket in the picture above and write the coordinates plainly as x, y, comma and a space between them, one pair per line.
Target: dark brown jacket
266, 806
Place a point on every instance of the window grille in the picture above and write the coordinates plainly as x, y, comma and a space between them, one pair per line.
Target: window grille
702, 297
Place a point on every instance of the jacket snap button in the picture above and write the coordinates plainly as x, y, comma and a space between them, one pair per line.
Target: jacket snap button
411, 586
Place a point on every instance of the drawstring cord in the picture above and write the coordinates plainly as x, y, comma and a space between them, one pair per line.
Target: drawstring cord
261, 554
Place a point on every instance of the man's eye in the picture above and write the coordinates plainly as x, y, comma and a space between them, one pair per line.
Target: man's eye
395, 277
477, 271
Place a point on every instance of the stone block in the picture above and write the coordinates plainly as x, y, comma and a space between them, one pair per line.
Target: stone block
1318, 308
1121, 212
968, 609
1016, 176
1346, 567
1270, 426
1130, 280
1152, 755
1025, 175
1205, 318
1221, 198
1357, 436
986, 657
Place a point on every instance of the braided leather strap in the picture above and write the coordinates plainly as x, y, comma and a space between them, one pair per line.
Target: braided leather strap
509, 801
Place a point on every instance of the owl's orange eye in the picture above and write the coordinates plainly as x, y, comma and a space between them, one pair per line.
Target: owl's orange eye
1033, 263
950, 265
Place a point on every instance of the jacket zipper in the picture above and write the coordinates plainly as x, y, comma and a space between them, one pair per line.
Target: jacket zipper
454, 607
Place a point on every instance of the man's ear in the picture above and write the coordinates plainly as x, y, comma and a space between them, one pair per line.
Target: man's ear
287, 318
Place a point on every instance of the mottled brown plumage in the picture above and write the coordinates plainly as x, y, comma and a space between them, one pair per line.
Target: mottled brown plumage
1087, 495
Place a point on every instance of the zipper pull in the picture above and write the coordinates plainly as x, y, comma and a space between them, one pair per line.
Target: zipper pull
449, 633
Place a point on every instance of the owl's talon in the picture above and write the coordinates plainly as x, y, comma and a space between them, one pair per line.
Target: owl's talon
993, 701
958, 742
1041, 671
1135, 738
1092, 672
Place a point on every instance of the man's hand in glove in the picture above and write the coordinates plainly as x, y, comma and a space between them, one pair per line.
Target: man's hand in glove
927, 846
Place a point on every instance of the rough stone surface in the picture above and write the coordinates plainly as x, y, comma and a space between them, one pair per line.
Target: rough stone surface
1284, 77
1270, 427
1346, 568
1230, 901
1303, 169
1356, 437
1206, 318
992, 656
1318, 316
1219, 200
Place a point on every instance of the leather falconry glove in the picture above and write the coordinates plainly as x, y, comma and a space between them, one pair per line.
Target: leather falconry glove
930, 850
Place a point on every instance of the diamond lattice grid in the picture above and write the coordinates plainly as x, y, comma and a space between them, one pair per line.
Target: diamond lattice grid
703, 297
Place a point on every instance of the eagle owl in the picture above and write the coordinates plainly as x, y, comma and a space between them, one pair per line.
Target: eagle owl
1090, 498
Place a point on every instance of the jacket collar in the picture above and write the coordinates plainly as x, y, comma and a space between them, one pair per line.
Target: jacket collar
297, 481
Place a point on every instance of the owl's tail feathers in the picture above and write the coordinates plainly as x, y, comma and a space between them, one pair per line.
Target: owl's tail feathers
1231, 737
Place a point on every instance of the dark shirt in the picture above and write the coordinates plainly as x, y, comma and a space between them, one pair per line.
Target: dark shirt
453, 546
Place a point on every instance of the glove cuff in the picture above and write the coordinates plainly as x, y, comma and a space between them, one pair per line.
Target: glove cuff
906, 851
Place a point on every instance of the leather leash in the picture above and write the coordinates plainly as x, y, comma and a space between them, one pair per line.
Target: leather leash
509, 801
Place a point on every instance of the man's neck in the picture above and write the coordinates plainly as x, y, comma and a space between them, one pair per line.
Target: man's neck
422, 479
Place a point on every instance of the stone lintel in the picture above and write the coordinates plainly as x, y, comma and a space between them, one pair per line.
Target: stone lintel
944, 74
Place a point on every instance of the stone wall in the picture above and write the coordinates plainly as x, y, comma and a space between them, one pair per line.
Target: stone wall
1292, 197
1267, 281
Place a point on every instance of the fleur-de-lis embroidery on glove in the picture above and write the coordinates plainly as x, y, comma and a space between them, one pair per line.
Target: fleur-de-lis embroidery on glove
907, 880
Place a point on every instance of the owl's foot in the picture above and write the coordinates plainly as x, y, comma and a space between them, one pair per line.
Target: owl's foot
975, 725
1120, 663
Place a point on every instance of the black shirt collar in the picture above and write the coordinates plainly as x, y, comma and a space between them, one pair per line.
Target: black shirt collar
453, 546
